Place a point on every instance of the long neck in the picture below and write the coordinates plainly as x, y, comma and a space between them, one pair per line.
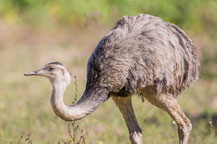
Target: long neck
88, 103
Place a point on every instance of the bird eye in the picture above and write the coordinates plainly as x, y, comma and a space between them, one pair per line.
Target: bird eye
50, 68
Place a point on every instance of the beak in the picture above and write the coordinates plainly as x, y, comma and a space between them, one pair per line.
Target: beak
34, 73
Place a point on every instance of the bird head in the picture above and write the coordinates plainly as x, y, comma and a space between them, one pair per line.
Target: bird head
54, 71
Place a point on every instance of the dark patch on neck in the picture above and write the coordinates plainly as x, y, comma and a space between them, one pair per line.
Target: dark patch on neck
56, 63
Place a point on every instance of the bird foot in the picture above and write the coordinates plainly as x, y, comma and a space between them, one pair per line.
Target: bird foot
136, 138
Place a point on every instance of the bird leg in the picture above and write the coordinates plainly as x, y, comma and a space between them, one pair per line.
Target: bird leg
170, 105
184, 124
125, 106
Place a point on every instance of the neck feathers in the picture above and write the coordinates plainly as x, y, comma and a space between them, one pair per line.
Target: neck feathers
89, 102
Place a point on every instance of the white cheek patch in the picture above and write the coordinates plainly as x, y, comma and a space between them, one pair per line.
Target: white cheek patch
59, 68
65, 73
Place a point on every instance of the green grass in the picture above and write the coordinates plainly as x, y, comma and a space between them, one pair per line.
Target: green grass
24, 101
194, 15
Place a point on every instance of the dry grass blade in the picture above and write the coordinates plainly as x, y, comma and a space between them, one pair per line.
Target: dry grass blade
20, 139
76, 136
26, 139
76, 91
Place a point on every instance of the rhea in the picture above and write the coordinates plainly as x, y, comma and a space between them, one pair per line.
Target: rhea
141, 55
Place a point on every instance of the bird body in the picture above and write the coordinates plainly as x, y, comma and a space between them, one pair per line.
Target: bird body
142, 51
141, 54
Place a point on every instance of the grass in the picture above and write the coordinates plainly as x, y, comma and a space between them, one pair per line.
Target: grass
24, 102
195, 15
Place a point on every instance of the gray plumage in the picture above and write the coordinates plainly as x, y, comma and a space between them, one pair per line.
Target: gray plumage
141, 54
144, 51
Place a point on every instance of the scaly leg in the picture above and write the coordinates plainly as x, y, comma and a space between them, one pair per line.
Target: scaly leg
125, 106
170, 105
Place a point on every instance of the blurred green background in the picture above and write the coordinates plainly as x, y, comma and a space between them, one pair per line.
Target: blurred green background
35, 32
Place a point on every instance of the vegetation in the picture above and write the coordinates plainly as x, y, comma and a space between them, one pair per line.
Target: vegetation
196, 15
34, 32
